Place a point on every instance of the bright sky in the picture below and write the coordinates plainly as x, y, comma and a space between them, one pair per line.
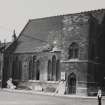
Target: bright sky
14, 14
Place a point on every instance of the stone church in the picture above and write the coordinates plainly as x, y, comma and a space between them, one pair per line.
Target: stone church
66, 48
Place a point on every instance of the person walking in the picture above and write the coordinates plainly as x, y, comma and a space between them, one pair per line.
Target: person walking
99, 95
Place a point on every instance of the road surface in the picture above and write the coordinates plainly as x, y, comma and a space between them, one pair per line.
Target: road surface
12, 98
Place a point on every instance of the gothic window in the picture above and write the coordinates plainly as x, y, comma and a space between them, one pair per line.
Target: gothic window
54, 67
30, 69
37, 70
73, 51
34, 58
57, 70
25, 70
49, 70
34, 67
20, 69
15, 68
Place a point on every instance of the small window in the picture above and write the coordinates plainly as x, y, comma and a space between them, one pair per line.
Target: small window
73, 51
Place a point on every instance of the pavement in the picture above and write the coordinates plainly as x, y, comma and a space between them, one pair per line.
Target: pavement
29, 97
46, 93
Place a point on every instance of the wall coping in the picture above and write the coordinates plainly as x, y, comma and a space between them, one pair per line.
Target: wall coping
73, 60
37, 81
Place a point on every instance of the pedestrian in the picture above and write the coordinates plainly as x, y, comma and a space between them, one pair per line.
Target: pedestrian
99, 95
10, 85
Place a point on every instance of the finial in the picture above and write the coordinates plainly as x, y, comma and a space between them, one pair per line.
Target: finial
14, 35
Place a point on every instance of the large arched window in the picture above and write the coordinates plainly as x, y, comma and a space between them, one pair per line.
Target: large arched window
37, 70
34, 67
54, 67
30, 69
25, 70
49, 70
73, 51
15, 69
57, 70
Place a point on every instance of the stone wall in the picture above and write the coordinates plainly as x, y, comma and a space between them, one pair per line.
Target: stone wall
80, 70
46, 86
76, 29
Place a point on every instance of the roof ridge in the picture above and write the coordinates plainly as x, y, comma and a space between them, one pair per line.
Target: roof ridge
82, 12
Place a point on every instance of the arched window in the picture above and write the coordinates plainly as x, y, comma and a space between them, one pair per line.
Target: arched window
30, 69
25, 70
37, 70
49, 70
57, 70
73, 51
54, 67
34, 58
34, 68
15, 68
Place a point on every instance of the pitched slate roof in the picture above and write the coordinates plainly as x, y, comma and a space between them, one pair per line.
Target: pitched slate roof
35, 33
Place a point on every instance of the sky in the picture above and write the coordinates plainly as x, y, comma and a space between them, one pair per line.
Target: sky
14, 14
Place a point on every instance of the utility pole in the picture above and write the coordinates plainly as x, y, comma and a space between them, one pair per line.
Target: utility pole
2, 50
2, 55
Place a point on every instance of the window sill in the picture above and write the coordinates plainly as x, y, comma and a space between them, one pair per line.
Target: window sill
43, 81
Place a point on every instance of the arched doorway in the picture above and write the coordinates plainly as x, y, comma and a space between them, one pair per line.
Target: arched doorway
71, 83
